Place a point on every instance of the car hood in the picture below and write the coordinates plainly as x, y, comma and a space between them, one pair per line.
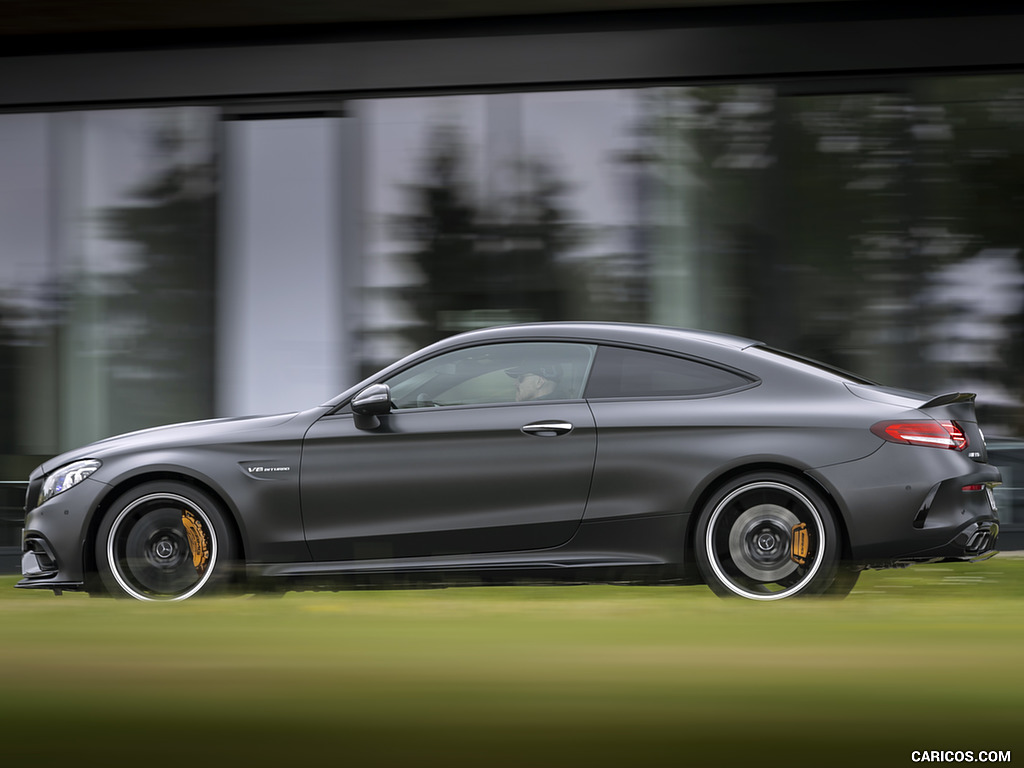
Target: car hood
188, 433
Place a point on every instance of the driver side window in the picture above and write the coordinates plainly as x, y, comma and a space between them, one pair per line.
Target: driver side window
495, 373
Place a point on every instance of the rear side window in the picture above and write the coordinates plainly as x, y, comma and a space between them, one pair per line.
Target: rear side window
620, 372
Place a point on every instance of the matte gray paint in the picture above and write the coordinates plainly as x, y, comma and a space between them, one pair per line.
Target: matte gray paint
468, 473
464, 489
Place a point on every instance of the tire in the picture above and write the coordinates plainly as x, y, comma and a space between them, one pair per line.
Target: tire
844, 582
165, 541
767, 536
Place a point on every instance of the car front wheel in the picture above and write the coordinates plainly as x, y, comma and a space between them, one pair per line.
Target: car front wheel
767, 536
164, 541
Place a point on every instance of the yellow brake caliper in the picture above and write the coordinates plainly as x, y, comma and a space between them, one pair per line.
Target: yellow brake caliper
801, 544
197, 541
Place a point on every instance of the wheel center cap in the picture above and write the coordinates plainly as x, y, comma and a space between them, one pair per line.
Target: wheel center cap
766, 542
164, 549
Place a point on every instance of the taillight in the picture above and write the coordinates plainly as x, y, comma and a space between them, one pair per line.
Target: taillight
934, 434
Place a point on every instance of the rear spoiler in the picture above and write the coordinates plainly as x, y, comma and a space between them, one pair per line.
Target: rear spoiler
949, 398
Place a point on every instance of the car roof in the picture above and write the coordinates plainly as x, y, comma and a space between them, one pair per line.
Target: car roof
634, 333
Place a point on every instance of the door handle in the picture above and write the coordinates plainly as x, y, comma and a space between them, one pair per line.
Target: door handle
547, 428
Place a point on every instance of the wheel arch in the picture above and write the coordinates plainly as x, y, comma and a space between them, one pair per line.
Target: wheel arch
91, 567
713, 484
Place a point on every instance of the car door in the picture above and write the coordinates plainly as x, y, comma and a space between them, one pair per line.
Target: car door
661, 420
457, 466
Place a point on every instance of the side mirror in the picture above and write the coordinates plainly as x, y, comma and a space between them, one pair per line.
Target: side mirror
375, 400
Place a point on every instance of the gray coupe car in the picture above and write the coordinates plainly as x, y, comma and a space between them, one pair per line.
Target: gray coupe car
563, 451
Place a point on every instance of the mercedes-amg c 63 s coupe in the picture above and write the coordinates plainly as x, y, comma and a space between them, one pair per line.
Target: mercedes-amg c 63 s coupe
547, 452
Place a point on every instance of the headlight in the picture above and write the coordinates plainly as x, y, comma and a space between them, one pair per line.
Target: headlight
67, 476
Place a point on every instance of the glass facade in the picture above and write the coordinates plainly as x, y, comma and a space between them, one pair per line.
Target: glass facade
160, 265
107, 265
873, 229
281, 293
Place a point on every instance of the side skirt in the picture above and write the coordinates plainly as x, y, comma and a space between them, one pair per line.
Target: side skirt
646, 549
453, 563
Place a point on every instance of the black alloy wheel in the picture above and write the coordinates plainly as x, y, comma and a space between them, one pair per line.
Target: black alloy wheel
768, 536
164, 541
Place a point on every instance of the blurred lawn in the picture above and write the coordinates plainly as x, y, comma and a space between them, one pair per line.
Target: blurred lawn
927, 658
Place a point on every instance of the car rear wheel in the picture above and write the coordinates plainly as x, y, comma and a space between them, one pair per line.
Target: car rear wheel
767, 536
844, 582
164, 541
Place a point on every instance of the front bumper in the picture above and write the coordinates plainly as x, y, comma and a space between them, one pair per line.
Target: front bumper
40, 569
54, 539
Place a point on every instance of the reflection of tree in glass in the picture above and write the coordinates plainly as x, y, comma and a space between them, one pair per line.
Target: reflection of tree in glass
29, 318
8, 383
161, 311
970, 139
703, 161
925, 184
481, 263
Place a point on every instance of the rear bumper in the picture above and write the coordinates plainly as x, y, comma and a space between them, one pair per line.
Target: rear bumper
966, 507
906, 504
976, 541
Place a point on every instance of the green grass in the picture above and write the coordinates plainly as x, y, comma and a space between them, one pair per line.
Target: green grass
927, 658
